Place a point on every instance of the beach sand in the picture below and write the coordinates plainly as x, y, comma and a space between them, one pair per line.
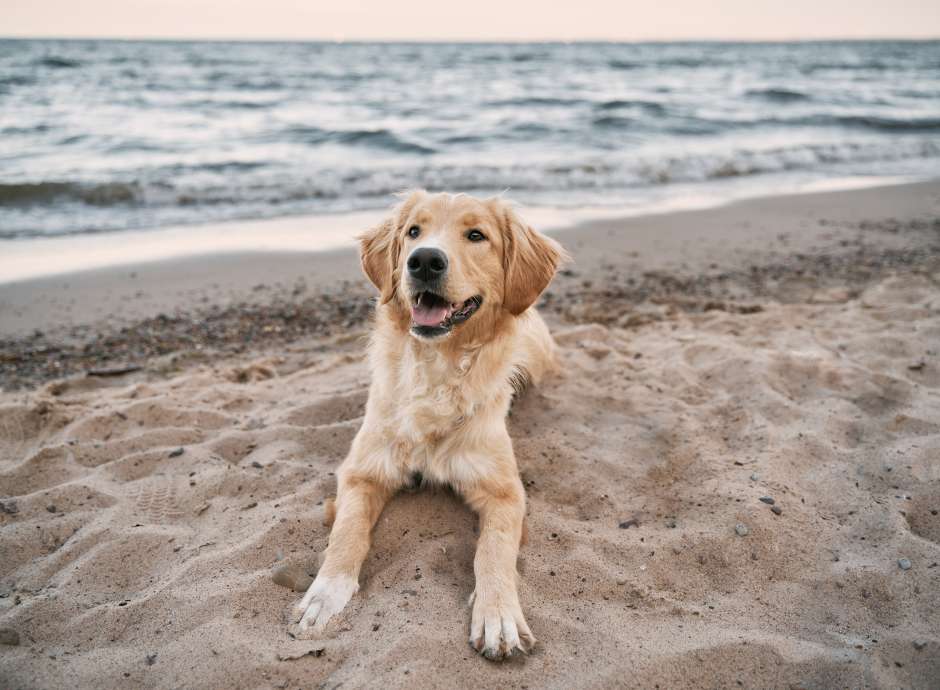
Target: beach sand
782, 349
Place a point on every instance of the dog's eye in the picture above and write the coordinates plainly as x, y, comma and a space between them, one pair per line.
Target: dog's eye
475, 236
414, 231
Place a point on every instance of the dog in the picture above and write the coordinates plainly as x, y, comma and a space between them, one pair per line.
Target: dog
455, 337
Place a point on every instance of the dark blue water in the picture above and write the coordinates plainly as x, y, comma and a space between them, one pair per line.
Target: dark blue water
101, 135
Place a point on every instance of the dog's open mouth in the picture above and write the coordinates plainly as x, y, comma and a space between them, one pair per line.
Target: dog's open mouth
431, 314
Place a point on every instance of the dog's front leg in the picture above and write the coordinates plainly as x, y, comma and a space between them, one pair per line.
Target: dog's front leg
359, 502
497, 626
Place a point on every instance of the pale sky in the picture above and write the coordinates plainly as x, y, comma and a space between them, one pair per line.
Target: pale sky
521, 20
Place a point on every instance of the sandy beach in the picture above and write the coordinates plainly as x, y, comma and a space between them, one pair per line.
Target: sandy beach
735, 483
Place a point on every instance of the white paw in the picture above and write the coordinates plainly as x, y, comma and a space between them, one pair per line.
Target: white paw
497, 626
326, 597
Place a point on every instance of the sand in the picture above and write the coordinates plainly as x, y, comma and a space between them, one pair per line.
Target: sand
145, 515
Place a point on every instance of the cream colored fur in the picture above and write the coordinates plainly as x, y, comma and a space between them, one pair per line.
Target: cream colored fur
438, 406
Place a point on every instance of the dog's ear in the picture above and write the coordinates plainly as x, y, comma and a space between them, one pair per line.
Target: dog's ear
379, 247
530, 260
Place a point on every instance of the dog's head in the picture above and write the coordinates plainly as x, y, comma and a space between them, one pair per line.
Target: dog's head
442, 261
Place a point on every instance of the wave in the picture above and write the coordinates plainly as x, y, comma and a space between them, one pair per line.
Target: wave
57, 62
889, 124
777, 95
16, 80
40, 193
872, 65
459, 139
250, 184
208, 103
528, 57
380, 138
377, 138
535, 100
613, 122
703, 125
649, 107
40, 128
785, 159
624, 64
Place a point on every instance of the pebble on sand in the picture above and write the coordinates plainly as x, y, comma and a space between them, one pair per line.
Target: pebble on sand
9, 637
776, 510
741, 529
176, 453
766, 499
292, 576
904, 564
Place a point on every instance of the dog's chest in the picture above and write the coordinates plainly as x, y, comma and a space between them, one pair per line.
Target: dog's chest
435, 400
432, 413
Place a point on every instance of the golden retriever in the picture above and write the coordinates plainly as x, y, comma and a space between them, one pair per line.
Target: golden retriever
455, 336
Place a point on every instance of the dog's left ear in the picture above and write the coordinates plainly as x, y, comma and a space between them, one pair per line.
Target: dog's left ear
530, 260
379, 248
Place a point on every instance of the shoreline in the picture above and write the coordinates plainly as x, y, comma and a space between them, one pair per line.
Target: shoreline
783, 248
38, 258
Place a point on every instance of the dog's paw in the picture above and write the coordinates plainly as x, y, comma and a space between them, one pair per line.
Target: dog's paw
325, 598
497, 627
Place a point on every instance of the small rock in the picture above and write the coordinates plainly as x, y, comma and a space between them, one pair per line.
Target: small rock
776, 510
904, 564
253, 504
9, 637
919, 645
627, 524
741, 530
51, 508
151, 659
9, 507
176, 453
256, 464
766, 499
671, 523
292, 576
754, 476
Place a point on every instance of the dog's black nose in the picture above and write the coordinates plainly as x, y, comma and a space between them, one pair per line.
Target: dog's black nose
427, 264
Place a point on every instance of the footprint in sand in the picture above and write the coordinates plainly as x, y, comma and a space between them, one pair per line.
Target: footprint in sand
156, 501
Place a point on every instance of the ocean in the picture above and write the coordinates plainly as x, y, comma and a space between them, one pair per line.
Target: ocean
99, 136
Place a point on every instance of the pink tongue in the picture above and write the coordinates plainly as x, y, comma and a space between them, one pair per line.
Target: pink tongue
428, 316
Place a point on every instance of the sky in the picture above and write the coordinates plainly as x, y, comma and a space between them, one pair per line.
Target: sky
440, 20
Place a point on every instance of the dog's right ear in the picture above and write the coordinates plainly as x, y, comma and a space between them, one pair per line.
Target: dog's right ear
379, 247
